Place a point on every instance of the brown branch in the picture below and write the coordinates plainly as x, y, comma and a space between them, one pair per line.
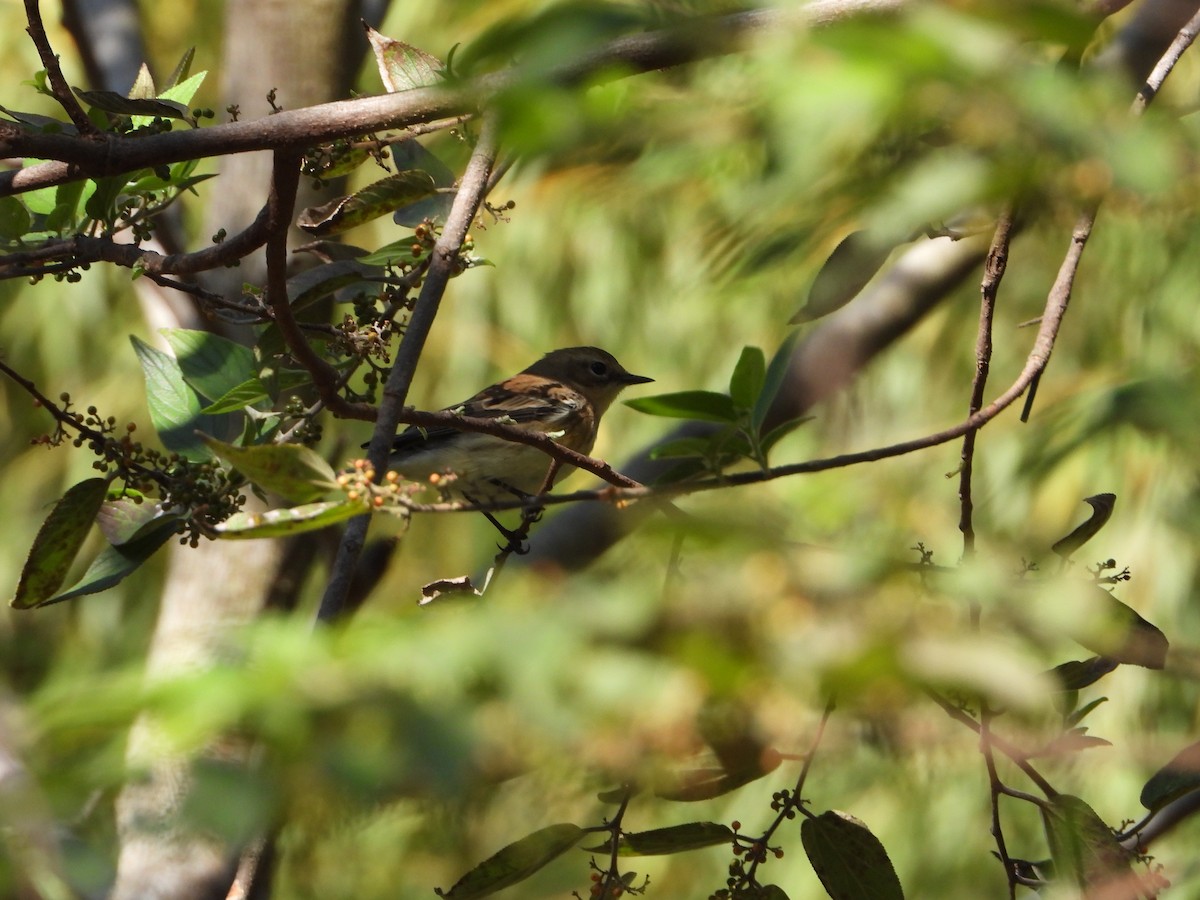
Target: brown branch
67, 420
285, 179
85, 249
54, 75
993, 272
1154, 82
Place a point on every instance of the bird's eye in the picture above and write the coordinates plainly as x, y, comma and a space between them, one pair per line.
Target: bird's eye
599, 369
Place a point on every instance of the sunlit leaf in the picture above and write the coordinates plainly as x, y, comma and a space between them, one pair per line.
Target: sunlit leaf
295, 472
237, 398
850, 861
58, 542
293, 520
515, 863
174, 405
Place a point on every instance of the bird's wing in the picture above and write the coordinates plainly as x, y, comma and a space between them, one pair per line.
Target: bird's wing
525, 404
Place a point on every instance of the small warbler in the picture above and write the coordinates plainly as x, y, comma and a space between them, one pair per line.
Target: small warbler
563, 394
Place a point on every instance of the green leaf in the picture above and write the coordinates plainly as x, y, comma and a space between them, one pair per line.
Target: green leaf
673, 839
1083, 848
708, 406
181, 69
1178, 777
776, 373
14, 219
373, 201
748, 376
850, 861
58, 542
184, 91
515, 863
284, 522
292, 471
114, 564
211, 364
174, 406
238, 398
779, 432
1102, 509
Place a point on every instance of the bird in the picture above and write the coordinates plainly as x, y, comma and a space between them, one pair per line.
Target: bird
563, 394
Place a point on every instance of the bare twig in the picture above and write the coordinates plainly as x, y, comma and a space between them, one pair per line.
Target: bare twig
1018, 756
285, 178
1155, 79
993, 272
1060, 293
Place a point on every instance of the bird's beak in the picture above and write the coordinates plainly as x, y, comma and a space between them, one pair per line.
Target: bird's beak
630, 378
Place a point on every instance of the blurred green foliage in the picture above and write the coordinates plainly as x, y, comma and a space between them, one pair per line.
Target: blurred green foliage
675, 218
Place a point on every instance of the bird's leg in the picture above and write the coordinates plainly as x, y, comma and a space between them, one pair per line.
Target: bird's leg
515, 538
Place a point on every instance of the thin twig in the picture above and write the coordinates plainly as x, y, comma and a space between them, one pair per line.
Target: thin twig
993, 273
1166, 63
67, 420
1060, 291
285, 178
1012, 752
